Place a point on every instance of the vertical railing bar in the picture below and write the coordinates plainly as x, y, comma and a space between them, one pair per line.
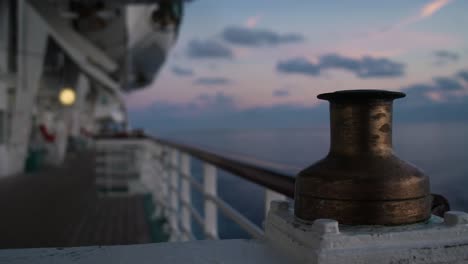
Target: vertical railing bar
211, 236
227, 210
108, 170
237, 217
196, 215
210, 188
195, 183
174, 195
270, 196
158, 185
187, 234
186, 193
163, 181
166, 177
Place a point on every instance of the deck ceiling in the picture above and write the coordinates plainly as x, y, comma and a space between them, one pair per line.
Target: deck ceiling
88, 58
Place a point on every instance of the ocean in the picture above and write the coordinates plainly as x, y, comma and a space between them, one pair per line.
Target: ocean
439, 149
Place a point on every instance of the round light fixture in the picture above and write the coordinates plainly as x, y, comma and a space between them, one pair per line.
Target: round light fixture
67, 96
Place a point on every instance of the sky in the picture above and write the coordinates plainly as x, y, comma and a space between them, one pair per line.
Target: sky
261, 63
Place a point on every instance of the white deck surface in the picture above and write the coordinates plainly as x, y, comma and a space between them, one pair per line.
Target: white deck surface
216, 251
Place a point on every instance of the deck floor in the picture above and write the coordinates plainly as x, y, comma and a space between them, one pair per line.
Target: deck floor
60, 207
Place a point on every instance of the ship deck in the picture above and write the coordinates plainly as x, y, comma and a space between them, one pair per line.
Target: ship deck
61, 207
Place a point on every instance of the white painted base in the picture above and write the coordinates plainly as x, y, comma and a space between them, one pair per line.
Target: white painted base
325, 242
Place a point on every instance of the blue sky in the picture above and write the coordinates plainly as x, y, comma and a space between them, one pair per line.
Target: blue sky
272, 58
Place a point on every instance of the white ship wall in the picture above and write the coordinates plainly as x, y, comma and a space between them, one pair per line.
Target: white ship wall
5, 81
3, 130
82, 88
32, 37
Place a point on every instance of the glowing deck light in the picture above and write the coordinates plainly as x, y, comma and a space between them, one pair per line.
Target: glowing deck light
67, 96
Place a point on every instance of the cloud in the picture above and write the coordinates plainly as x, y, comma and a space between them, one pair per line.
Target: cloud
446, 83
281, 93
444, 99
208, 49
425, 102
463, 75
203, 104
445, 54
298, 65
183, 117
426, 11
444, 57
258, 37
365, 67
205, 110
219, 101
253, 21
431, 8
212, 81
179, 71
441, 89
418, 94
222, 113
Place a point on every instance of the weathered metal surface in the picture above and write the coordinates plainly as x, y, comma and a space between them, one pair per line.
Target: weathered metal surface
438, 240
361, 181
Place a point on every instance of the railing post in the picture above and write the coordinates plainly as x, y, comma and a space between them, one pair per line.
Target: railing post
186, 197
145, 163
157, 181
271, 196
211, 212
108, 169
142, 159
174, 194
165, 180
163, 172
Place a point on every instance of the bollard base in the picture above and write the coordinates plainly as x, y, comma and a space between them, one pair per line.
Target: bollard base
324, 241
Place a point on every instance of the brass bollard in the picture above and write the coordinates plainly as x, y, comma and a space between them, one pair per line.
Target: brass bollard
361, 181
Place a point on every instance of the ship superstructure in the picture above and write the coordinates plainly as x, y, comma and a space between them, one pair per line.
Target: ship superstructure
97, 49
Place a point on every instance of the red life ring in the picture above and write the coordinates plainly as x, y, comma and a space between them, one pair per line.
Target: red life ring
48, 137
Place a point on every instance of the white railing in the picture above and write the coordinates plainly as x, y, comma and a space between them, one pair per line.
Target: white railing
165, 170
119, 165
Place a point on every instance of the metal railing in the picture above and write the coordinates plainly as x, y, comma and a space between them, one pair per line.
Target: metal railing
165, 171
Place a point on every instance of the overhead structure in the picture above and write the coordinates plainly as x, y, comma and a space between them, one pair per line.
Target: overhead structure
65, 64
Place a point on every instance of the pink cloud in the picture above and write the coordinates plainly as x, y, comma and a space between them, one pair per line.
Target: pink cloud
391, 44
431, 8
403, 41
426, 11
252, 22
435, 97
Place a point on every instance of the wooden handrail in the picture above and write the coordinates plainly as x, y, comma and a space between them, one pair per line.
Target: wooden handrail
273, 180
270, 179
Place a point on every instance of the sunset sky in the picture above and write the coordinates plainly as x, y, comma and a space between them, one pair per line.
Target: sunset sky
235, 56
